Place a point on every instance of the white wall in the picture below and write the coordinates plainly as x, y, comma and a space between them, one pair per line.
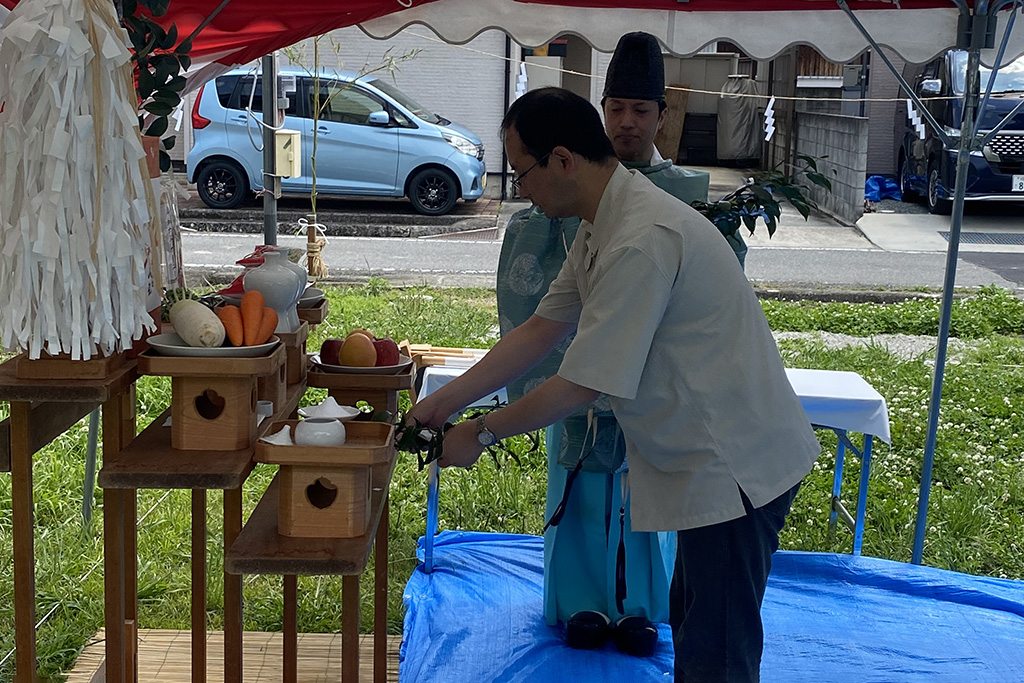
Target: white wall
462, 83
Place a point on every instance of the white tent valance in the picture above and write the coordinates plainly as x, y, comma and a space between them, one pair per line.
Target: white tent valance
916, 35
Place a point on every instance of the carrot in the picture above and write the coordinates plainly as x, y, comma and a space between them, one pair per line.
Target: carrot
267, 325
252, 313
231, 316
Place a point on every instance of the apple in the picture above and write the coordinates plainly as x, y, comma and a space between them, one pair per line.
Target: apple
330, 349
387, 351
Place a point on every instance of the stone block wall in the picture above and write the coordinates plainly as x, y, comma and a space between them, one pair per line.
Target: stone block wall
844, 141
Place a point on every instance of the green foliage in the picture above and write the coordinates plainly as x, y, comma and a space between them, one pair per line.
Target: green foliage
989, 311
760, 198
160, 62
977, 498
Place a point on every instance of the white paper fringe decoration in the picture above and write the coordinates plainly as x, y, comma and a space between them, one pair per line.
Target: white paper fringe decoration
74, 205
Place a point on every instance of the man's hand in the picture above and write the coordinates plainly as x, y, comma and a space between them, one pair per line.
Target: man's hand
429, 412
461, 446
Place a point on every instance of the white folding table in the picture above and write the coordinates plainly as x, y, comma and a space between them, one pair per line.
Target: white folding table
833, 399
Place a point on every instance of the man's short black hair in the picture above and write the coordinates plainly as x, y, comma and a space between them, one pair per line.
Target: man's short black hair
548, 117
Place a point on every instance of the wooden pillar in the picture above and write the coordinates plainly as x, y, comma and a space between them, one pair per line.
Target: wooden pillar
232, 591
290, 629
380, 597
198, 585
23, 523
350, 628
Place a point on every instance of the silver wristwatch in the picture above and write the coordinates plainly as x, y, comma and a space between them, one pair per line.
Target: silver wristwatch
484, 435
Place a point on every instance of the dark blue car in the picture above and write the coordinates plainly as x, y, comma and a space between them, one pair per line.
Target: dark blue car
927, 168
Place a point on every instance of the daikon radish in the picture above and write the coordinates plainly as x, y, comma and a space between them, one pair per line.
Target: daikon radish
197, 324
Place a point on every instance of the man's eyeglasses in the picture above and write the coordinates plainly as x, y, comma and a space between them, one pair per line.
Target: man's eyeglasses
517, 180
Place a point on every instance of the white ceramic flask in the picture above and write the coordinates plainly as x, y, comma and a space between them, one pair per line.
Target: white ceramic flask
281, 287
320, 431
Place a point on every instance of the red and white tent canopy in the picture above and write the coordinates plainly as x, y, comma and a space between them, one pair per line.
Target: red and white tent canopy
917, 30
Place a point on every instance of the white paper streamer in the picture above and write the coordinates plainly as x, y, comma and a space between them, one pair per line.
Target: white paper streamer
75, 209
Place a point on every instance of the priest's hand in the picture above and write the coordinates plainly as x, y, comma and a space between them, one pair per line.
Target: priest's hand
461, 446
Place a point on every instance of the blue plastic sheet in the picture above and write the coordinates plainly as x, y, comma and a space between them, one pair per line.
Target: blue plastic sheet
478, 617
877, 188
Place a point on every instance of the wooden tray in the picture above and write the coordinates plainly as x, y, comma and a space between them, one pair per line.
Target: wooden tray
314, 315
63, 368
343, 380
366, 443
152, 363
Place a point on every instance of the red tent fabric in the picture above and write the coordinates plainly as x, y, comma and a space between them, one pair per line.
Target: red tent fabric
248, 29
743, 5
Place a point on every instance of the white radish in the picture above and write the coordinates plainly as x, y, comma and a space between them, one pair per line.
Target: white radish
197, 324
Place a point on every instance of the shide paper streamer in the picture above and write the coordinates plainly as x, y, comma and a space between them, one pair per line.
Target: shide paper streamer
75, 205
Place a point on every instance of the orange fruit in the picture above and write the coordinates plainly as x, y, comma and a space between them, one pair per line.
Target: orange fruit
365, 333
358, 352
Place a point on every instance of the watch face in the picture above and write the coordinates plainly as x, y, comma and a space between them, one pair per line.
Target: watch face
484, 435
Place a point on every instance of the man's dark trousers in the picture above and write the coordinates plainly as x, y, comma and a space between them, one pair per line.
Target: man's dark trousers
720, 577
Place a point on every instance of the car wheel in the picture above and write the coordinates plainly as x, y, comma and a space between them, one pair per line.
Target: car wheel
222, 185
935, 204
907, 193
433, 191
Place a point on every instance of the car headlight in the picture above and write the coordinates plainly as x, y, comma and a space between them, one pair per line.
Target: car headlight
462, 144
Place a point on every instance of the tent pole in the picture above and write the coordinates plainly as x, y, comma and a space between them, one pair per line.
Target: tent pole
963, 161
271, 182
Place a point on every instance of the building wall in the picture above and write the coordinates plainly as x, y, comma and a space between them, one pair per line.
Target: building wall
842, 140
883, 116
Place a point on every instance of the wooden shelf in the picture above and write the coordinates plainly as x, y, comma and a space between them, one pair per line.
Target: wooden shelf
149, 461
350, 381
63, 390
152, 363
260, 549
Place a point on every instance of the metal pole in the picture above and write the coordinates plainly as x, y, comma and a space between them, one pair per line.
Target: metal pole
963, 161
269, 156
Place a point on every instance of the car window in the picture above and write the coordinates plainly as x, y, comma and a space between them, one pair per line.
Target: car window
226, 86
344, 103
418, 110
243, 96
1009, 78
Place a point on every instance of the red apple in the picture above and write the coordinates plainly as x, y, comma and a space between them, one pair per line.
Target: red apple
387, 351
330, 349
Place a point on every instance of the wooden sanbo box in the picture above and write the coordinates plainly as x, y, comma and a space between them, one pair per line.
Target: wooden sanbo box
295, 347
325, 491
213, 399
62, 367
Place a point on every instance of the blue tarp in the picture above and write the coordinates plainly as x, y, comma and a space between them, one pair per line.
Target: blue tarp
877, 188
838, 618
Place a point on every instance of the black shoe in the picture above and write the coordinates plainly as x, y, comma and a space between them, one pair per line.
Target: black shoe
587, 630
635, 636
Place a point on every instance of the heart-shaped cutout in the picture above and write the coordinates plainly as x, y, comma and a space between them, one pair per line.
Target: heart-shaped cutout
209, 404
321, 493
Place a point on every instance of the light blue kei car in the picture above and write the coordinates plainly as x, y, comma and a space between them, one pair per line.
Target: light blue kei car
372, 140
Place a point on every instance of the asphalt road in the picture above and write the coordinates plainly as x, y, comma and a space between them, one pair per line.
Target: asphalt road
472, 263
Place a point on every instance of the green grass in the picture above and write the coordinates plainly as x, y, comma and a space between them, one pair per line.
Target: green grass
977, 498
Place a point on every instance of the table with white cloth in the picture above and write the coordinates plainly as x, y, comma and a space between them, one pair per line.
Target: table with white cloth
833, 399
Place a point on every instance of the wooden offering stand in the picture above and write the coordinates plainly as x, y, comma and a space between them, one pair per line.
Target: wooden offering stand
315, 314
213, 400
263, 547
295, 345
212, 452
380, 391
41, 410
325, 492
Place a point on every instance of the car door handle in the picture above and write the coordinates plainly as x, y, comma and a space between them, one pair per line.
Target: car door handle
238, 119
323, 130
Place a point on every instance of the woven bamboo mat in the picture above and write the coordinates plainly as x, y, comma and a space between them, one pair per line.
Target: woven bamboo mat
165, 657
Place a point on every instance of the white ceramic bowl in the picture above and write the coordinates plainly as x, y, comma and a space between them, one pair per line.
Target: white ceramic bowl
319, 431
